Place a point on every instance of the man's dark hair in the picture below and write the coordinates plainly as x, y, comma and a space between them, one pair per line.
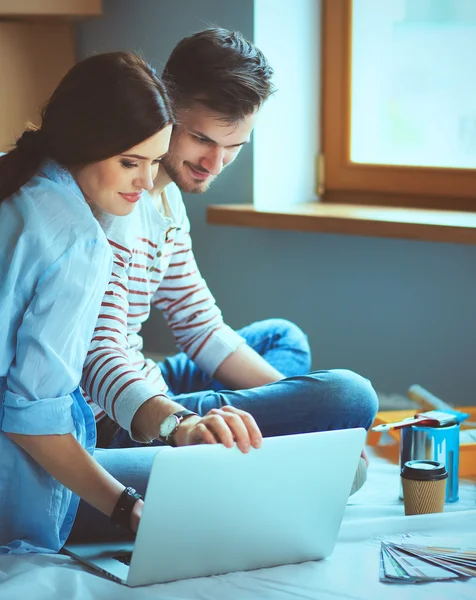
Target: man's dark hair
220, 69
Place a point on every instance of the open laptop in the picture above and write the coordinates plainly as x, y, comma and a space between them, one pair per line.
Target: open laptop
226, 511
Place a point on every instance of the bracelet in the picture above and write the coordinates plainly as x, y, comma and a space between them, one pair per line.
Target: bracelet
121, 515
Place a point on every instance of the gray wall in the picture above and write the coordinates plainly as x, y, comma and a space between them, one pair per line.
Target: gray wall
399, 312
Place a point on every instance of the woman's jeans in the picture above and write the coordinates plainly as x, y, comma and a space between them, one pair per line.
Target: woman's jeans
303, 402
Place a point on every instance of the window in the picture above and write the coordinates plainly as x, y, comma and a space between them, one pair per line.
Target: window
399, 102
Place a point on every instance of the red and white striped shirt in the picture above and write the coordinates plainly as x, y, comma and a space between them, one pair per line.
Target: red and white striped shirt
153, 265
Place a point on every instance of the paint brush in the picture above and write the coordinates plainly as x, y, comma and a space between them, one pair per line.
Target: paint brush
431, 418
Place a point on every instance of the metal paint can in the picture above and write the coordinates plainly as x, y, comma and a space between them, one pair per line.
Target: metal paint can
439, 444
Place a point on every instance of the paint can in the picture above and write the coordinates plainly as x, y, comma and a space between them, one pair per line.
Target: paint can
439, 444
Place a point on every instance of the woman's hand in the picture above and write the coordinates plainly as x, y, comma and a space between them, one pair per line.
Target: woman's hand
136, 515
225, 425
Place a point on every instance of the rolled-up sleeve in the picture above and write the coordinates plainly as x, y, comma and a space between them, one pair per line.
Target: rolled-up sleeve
190, 308
53, 340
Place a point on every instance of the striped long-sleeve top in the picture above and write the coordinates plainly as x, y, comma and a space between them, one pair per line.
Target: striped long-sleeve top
153, 265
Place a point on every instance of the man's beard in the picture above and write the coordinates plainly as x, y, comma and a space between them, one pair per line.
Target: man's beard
181, 181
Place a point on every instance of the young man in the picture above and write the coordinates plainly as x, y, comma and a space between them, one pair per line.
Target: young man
224, 386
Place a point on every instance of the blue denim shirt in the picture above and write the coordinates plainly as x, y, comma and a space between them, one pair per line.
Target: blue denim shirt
55, 263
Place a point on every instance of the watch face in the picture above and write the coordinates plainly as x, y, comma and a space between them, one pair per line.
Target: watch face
168, 426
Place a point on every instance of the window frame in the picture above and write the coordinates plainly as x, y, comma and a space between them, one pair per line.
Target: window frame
386, 185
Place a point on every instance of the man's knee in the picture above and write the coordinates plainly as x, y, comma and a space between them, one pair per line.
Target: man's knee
359, 390
288, 332
281, 343
349, 392
282, 326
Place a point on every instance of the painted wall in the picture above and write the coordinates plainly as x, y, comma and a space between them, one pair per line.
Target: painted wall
399, 312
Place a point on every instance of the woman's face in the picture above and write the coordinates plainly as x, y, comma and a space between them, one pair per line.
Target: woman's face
114, 185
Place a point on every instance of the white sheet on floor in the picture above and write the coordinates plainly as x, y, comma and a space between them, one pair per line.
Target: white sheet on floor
351, 573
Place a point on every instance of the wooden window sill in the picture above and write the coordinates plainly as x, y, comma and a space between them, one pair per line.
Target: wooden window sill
354, 219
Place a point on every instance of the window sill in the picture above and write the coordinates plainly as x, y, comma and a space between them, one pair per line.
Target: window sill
353, 219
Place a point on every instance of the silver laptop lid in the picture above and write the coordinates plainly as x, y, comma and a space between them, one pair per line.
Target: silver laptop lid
211, 509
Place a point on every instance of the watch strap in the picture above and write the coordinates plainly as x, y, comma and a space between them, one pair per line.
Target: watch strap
121, 515
180, 415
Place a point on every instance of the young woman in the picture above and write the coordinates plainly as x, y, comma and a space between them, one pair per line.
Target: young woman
102, 136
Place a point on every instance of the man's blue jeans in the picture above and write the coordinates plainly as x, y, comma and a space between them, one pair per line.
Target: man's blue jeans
301, 403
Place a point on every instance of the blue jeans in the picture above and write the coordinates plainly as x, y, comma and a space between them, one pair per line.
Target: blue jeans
301, 403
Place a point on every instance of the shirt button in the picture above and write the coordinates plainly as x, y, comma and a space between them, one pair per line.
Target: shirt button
91, 435
151, 268
69, 519
159, 254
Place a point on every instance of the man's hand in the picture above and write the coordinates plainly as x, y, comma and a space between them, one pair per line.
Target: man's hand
225, 425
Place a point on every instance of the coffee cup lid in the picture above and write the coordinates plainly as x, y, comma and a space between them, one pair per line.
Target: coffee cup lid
424, 470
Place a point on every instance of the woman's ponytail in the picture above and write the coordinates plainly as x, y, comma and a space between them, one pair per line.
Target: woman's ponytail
20, 164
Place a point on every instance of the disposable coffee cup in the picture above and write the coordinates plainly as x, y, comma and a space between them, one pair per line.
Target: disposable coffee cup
424, 486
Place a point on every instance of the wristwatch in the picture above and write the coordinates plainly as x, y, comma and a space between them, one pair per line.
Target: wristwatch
171, 423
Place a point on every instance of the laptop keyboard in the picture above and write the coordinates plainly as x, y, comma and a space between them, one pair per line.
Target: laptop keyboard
124, 558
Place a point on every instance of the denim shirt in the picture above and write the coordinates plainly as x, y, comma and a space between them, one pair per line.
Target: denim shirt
55, 263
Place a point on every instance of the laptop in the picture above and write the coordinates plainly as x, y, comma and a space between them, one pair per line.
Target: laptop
226, 511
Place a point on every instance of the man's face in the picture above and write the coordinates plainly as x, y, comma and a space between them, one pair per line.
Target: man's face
202, 145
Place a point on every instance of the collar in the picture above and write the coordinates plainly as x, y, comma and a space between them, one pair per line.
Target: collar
55, 172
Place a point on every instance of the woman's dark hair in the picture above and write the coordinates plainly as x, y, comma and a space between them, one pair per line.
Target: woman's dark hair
104, 105
220, 69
